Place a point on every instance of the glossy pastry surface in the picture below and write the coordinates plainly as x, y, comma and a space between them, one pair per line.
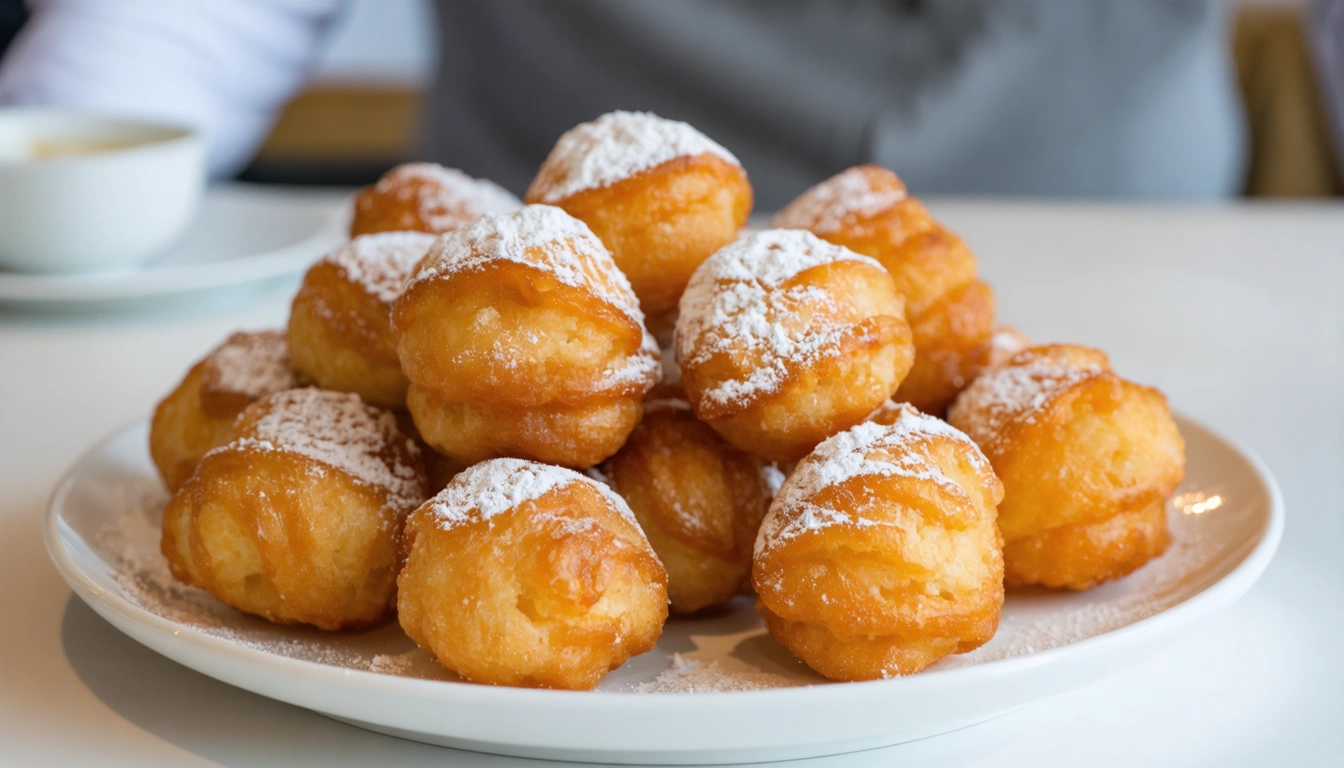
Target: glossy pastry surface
524, 574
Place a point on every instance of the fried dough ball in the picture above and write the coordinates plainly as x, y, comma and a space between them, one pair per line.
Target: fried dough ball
659, 193
1005, 342
530, 575
297, 518
1087, 459
439, 469
879, 555
571, 436
198, 415
698, 499
426, 197
951, 313
784, 340
340, 324
521, 338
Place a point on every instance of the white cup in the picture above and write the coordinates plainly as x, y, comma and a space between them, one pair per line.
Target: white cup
82, 192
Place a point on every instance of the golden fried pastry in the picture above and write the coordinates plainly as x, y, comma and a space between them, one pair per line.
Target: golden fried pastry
525, 574
880, 556
521, 338
1087, 459
439, 469
198, 415
340, 324
951, 313
659, 193
426, 197
698, 499
784, 340
297, 518
1005, 342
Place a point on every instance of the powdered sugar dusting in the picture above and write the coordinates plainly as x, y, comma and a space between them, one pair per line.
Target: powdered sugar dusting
738, 304
688, 675
339, 430
1006, 342
849, 455
863, 191
446, 197
251, 363
493, 487
1015, 391
544, 238
380, 263
615, 147
774, 478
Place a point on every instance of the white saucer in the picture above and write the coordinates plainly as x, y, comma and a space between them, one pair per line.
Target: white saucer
240, 234
717, 688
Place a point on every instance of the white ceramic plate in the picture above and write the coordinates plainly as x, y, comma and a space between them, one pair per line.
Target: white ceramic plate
717, 688
239, 235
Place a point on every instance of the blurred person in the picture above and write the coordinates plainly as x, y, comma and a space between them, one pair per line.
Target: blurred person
1107, 98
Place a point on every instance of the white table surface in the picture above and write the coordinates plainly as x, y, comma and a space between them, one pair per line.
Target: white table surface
1233, 311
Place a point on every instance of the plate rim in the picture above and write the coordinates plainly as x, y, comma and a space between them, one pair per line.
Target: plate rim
1213, 597
19, 288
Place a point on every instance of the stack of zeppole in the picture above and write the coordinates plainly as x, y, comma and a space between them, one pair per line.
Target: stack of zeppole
534, 431
951, 313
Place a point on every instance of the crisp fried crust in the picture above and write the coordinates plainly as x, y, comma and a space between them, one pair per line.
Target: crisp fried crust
278, 533
576, 436
521, 338
198, 414
868, 210
552, 592
698, 499
661, 223
778, 366
1088, 460
341, 338
880, 555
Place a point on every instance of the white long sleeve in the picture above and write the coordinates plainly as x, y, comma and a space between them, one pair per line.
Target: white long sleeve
226, 67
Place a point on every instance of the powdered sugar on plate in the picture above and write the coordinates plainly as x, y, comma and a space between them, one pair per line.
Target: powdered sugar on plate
689, 675
493, 487
849, 455
250, 363
340, 431
613, 148
1036, 619
738, 304
380, 263
446, 198
861, 192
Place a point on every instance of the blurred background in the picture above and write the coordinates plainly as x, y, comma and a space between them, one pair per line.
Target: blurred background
375, 82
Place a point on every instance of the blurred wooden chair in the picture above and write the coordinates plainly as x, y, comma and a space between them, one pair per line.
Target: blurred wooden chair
1292, 152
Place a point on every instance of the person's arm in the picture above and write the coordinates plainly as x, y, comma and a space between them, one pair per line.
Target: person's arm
224, 66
